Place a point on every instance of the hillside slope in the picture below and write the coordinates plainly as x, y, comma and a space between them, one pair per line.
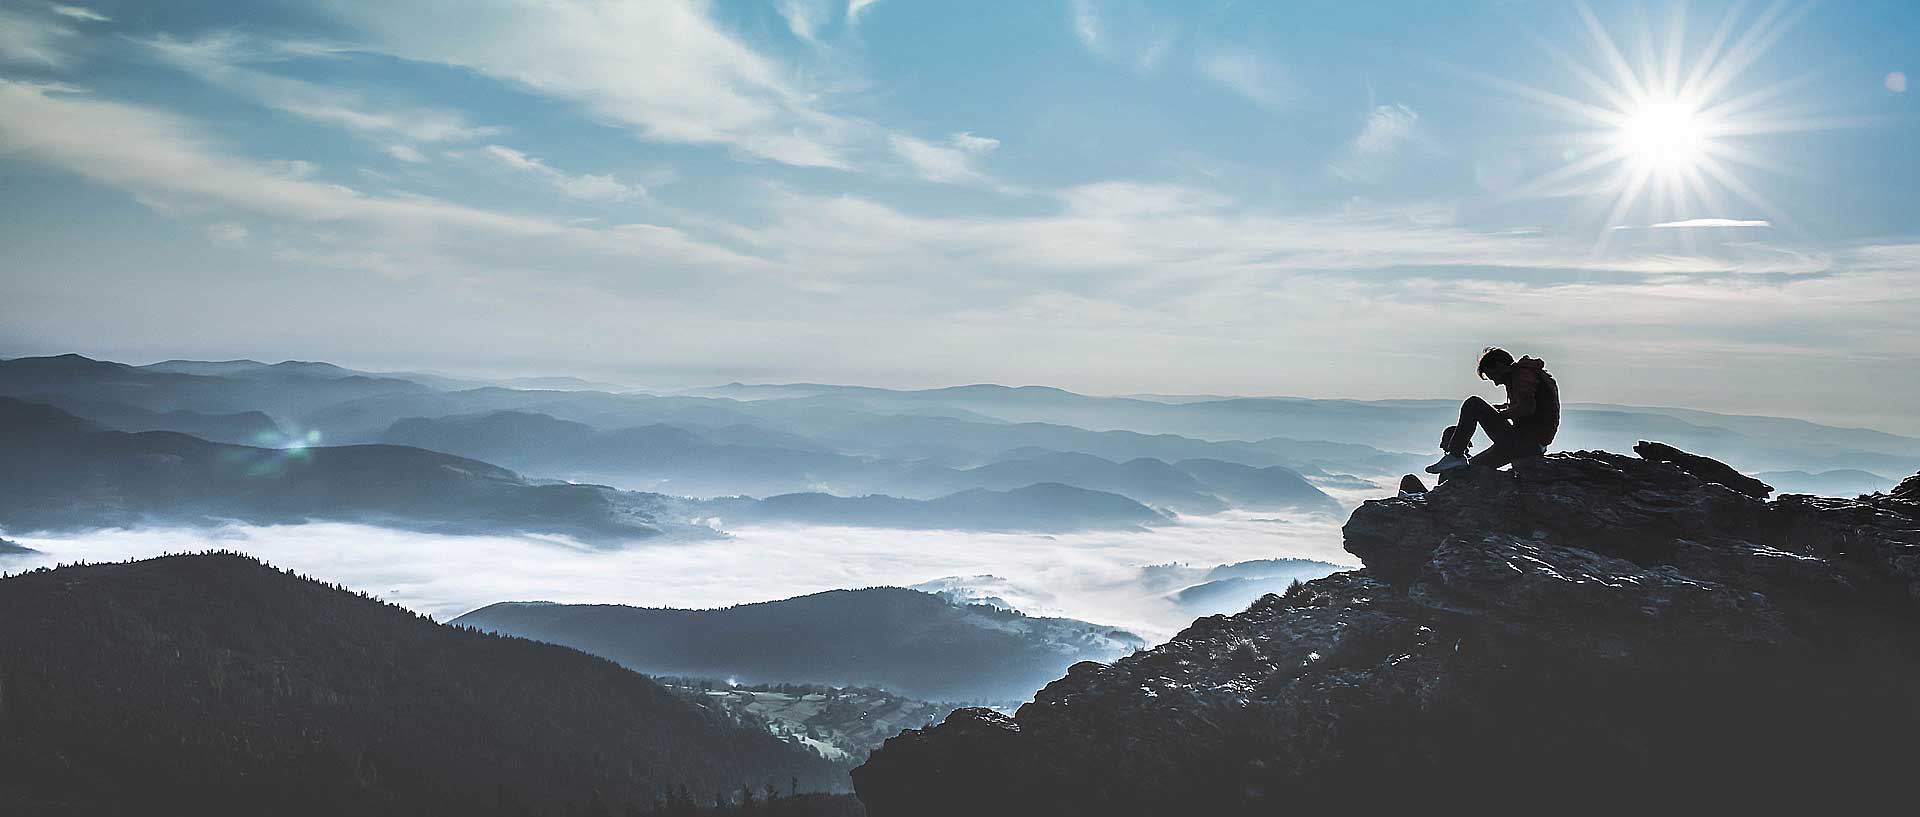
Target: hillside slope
213, 684
1588, 630
906, 641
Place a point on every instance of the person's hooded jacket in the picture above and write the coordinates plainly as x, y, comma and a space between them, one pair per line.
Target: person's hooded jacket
1533, 400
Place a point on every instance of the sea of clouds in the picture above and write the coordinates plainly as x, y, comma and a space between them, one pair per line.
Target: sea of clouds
1092, 576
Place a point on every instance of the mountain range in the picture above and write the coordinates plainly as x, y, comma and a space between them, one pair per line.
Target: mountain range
65, 473
960, 427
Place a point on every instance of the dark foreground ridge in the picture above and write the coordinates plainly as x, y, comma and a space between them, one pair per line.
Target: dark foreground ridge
1590, 628
215, 685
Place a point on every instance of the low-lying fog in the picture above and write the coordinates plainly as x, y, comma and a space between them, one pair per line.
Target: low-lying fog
1091, 576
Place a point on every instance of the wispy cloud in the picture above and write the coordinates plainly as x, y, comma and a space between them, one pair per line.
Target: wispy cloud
227, 232
160, 158
1375, 150
952, 162
584, 186
225, 61
805, 18
1127, 34
1147, 235
81, 13
406, 153
1711, 222
1248, 73
858, 8
1087, 25
32, 39
664, 69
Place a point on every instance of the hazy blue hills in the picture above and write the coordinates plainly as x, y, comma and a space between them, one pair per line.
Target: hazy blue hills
254, 369
286, 396
754, 461
1192, 590
65, 473
1046, 508
244, 428
1751, 442
1844, 482
846, 427
1145, 479
905, 641
658, 456
215, 685
1231, 588
1270, 488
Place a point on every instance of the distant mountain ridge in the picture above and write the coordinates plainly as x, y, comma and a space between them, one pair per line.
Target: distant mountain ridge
957, 427
672, 459
64, 473
1846, 482
1047, 507
908, 642
1406, 425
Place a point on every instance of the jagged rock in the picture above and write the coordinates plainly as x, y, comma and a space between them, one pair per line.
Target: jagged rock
1908, 488
1706, 468
1587, 627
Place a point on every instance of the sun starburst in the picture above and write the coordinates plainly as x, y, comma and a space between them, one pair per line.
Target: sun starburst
1671, 135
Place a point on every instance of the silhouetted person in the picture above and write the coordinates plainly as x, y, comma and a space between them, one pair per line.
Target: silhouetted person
1520, 428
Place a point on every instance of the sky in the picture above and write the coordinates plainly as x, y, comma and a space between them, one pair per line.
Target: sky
1711, 209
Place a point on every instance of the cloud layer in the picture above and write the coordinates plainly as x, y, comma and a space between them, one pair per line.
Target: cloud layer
1088, 576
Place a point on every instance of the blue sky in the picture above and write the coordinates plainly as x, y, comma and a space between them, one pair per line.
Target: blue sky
1312, 198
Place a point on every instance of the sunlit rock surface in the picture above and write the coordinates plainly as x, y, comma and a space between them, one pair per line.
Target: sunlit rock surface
1590, 628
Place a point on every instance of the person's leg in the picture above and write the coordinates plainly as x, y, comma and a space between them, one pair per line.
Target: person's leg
1475, 412
1505, 452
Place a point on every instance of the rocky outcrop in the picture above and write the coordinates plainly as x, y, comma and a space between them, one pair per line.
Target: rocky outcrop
1586, 629
1908, 488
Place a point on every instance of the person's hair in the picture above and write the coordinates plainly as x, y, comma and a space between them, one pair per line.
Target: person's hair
1491, 357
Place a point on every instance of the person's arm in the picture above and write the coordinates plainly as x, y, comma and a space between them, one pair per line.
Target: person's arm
1520, 390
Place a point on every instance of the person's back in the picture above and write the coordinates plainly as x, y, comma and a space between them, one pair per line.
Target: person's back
1533, 400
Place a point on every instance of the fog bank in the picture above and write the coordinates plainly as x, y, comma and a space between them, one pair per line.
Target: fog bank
1091, 576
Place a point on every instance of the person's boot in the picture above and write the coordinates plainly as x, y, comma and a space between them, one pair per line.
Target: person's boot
1411, 485
1451, 462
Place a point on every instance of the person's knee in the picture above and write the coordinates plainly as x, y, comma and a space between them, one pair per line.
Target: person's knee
1476, 403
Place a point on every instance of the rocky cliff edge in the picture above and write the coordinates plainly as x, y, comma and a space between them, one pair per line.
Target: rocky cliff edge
1586, 630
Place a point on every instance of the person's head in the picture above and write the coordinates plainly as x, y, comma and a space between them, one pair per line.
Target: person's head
1495, 363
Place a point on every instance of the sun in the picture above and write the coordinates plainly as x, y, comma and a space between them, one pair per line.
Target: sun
1664, 135
1670, 134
